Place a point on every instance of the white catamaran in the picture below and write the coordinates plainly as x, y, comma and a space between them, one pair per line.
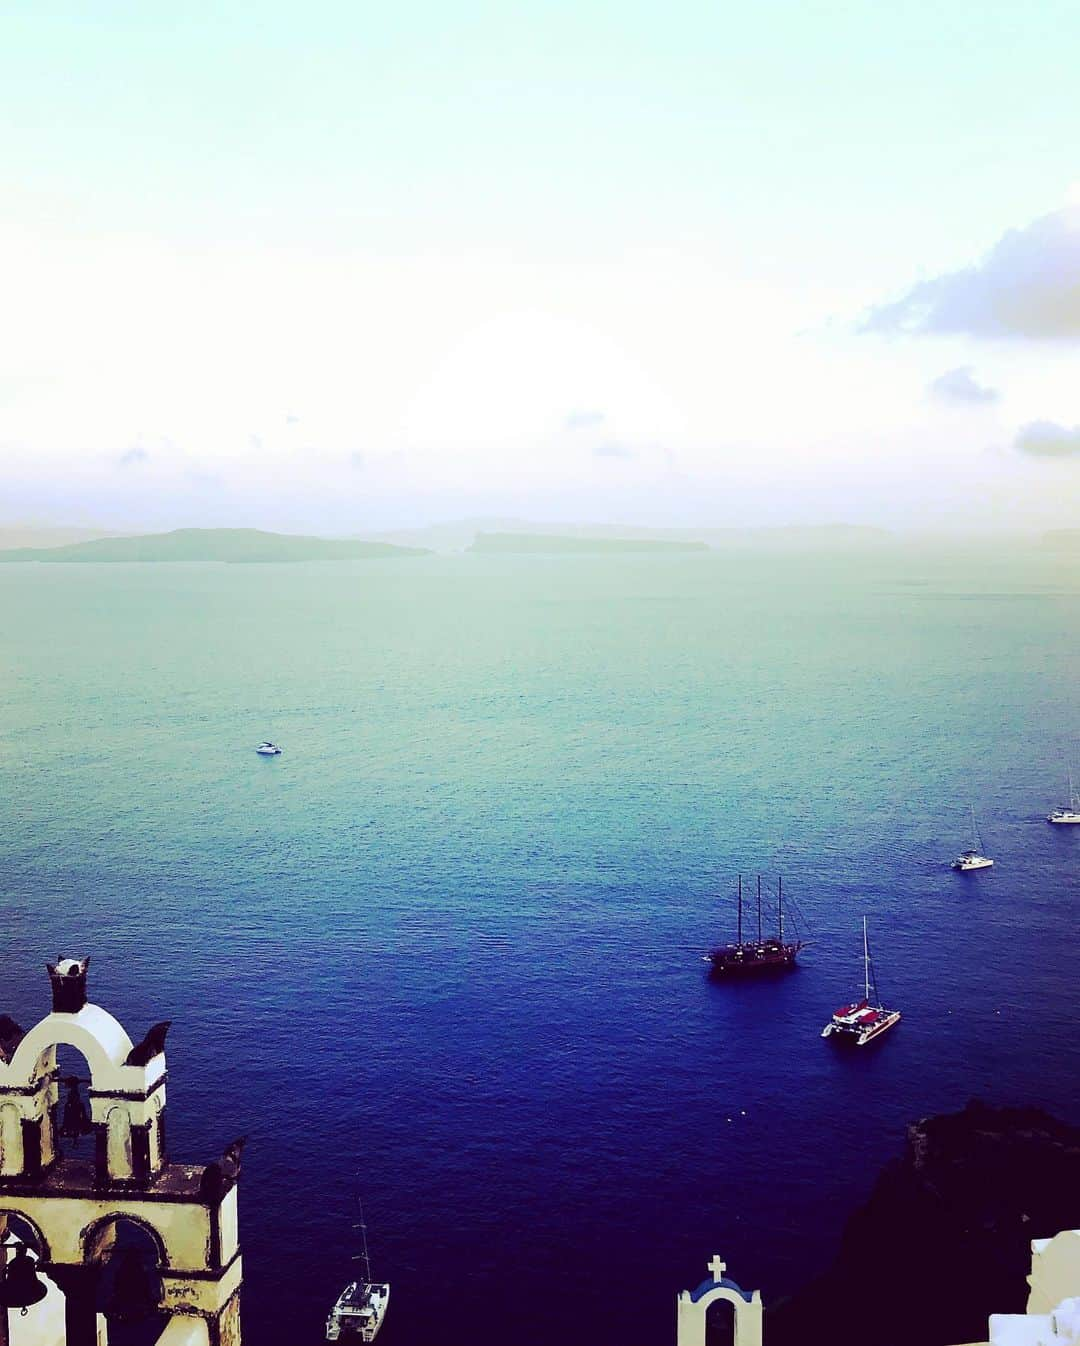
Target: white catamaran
1071, 812
865, 1019
361, 1306
973, 858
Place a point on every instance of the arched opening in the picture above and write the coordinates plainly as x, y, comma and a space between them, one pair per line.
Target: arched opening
72, 1134
720, 1323
14, 1225
96, 1034
129, 1256
42, 1320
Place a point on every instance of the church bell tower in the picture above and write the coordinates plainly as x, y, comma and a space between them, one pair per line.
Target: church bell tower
117, 1231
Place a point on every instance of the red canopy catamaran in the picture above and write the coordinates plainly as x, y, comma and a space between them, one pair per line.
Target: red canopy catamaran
866, 1019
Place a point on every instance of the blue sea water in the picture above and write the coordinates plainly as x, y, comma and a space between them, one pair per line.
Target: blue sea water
445, 951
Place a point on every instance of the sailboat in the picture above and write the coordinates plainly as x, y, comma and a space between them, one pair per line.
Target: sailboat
973, 858
771, 954
1071, 812
361, 1307
866, 1019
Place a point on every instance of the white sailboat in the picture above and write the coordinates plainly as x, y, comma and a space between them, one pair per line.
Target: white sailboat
1071, 812
361, 1307
972, 858
865, 1019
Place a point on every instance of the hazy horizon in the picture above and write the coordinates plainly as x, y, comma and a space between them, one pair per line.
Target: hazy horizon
351, 270
452, 533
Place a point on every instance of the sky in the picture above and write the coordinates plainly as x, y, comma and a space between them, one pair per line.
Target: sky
343, 267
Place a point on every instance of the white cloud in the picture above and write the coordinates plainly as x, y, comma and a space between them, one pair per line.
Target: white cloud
1027, 286
1047, 439
960, 385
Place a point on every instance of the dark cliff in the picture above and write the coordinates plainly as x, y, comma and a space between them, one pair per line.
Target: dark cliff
945, 1238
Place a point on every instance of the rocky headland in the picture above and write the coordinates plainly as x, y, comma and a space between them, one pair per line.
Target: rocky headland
945, 1237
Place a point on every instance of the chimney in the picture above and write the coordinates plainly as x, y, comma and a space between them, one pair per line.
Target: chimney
68, 977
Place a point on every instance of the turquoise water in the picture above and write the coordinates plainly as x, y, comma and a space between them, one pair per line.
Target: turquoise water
451, 939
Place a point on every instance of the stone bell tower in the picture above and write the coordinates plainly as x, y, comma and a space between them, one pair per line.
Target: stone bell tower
84, 1218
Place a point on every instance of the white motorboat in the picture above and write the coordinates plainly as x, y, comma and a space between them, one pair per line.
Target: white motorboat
866, 1019
972, 858
1071, 811
268, 749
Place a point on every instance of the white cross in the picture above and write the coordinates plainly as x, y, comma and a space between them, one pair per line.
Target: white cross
717, 1267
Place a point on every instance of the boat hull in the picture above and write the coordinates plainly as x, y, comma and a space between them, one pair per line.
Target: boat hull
1063, 817
751, 960
350, 1323
752, 957
854, 1035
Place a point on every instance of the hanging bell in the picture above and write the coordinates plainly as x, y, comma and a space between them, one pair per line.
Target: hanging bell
76, 1121
133, 1289
20, 1287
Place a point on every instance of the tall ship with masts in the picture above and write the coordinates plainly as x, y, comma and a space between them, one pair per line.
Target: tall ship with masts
361, 1307
766, 953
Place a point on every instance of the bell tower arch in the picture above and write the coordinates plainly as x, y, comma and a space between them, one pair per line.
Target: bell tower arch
692, 1308
88, 1212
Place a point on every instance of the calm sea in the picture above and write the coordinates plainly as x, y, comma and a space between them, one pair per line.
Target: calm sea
445, 951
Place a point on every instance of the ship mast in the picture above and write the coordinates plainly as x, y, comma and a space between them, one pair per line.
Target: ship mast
362, 1226
866, 960
759, 908
740, 909
780, 904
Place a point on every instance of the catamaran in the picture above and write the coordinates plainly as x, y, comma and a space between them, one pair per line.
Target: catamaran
770, 954
361, 1307
268, 749
866, 1019
1071, 812
972, 858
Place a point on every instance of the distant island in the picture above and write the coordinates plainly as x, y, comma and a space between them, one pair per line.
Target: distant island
214, 544
555, 545
459, 534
